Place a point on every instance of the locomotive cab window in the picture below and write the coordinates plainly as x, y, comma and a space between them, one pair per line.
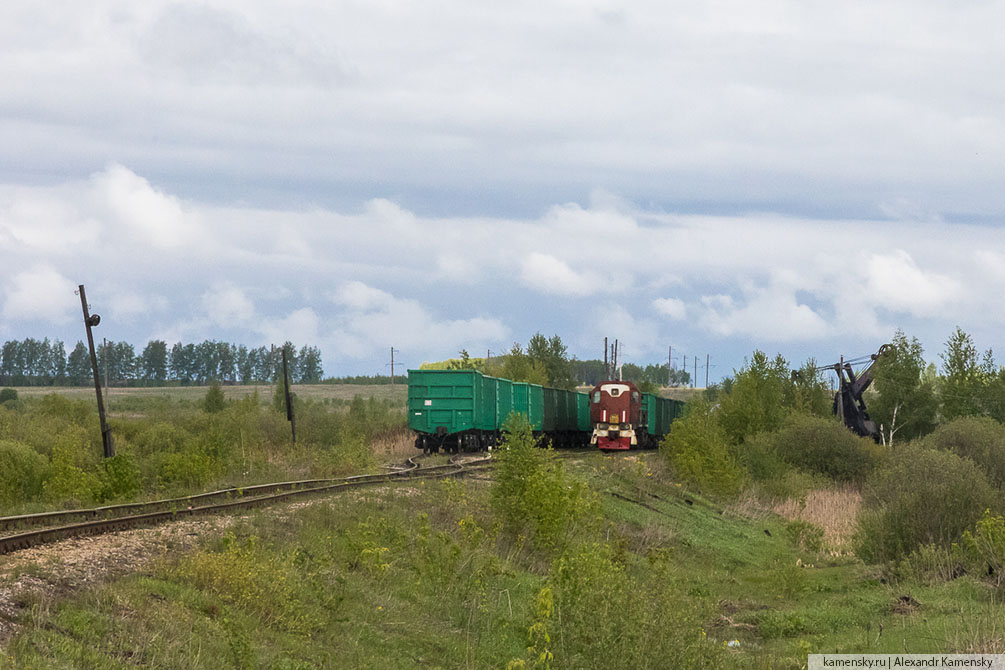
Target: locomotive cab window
635, 396
596, 397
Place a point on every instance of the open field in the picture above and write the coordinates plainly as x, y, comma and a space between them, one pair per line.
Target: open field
396, 393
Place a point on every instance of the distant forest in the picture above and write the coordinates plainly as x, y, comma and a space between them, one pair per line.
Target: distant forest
32, 362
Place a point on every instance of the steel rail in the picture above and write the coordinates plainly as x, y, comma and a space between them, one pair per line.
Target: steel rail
8, 523
25, 540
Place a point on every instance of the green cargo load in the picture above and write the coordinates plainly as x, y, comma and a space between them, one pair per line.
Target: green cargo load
449, 400
660, 413
467, 409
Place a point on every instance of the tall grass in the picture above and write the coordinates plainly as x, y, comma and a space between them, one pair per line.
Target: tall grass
51, 455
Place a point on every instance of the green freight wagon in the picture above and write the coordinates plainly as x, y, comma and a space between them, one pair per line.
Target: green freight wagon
528, 399
660, 412
465, 410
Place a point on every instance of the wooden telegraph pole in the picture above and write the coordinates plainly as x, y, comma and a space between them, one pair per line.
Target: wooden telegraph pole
91, 320
289, 401
607, 367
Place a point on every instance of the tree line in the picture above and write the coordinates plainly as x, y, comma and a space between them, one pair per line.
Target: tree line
912, 398
32, 362
546, 361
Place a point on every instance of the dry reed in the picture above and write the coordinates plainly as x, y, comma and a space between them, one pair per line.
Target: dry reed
834, 510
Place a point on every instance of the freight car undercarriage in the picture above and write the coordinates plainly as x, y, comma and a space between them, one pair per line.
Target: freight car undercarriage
485, 440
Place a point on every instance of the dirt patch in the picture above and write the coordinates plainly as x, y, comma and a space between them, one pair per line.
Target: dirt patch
905, 605
62, 568
77, 563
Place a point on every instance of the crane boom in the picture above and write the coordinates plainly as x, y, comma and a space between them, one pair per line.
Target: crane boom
848, 402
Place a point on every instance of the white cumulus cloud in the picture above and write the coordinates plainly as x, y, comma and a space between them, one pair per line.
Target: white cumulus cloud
226, 304
895, 282
40, 294
671, 307
139, 207
548, 274
373, 320
772, 313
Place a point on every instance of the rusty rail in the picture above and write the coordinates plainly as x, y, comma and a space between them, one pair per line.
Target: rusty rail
47, 535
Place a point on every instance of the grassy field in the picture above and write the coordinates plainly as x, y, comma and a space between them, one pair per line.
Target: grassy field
167, 442
588, 561
421, 575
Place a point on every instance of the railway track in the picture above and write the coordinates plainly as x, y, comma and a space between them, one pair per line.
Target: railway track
65, 524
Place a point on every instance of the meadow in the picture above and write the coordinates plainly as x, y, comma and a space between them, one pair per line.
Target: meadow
761, 531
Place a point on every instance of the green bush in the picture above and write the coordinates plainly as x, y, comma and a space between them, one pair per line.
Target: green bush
824, 446
214, 401
190, 468
595, 613
58, 406
931, 564
22, 472
921, 496
698, 453
532, 493
757, 398
7, 395
981, 439
985, 548
120, 478
761, 459
72, 479
773, 624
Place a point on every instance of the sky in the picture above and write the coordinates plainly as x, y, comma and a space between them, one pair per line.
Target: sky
797, 177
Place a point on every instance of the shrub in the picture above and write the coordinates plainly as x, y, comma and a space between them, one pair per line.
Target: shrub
8, 395
596, 613
120, 478
826, 447
986, 547
761, 459
981, 439
921, 496
71, 479
757, 398
532, 492
22, 471
59, 406
932, 564
214, 401
190, 468
697, 450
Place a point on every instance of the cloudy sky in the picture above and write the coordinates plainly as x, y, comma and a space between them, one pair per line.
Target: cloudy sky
798, 177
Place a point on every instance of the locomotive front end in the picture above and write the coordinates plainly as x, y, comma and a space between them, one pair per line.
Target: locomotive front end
615, 407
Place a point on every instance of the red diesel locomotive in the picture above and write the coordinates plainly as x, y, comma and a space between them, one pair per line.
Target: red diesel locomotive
624, 418
615, 410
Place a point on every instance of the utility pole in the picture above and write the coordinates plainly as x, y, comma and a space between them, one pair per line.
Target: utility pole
289, 401
91, 320
694, 381
104, 349
392, 366
683, 368
707, 359
670, 366
607, 368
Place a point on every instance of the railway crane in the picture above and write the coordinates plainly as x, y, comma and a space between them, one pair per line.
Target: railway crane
848, 402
